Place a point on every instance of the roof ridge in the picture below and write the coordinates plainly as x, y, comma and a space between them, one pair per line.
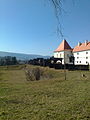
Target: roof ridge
63, 46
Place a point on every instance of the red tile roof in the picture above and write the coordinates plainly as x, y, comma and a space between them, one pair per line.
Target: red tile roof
82, 47
63, 46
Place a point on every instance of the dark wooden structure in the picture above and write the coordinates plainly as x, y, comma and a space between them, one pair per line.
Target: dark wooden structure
57, 64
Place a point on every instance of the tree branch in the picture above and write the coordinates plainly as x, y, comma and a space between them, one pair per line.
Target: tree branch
57, 5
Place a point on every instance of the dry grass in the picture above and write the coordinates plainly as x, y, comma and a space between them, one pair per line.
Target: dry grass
48, 99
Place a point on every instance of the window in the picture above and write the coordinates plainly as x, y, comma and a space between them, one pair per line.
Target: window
77, 61
80, 61
60, 55
86, 52
86, 62
77, 57
86, 57
71, 59
67, 55
78, 53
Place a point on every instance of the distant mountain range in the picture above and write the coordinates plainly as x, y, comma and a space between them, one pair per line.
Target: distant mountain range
21, 56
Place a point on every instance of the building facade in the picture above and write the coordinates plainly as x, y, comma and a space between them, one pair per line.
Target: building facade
79, 55
64, 51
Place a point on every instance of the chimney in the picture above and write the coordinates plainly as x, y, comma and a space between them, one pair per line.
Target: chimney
79, 43
86, 42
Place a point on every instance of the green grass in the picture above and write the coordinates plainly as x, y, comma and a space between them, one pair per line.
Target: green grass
52, 99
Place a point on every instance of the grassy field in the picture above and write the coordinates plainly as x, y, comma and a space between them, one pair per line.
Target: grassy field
48, 99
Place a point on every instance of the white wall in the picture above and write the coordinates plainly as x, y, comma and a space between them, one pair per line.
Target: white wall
82, 58
61, 55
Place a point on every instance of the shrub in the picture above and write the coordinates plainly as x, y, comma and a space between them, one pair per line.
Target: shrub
37, 73
32, 74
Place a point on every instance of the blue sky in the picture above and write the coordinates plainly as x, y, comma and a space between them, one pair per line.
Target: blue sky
29, 26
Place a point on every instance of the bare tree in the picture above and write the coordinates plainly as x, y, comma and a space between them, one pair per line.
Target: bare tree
57, 5
58, 8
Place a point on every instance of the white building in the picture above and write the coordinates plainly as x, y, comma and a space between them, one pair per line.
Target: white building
80, 53
64, 51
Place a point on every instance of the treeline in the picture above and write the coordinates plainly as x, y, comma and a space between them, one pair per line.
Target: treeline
8, 60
